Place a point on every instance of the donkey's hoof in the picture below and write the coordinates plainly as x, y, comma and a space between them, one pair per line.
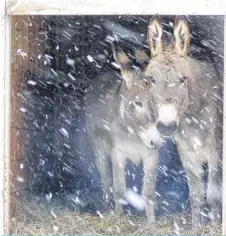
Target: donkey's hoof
196, 224
215, 215
217, 220
119, 211
106, 206
151, 220
107, 202
204, 221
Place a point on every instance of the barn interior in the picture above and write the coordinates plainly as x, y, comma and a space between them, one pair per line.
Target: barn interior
52, 168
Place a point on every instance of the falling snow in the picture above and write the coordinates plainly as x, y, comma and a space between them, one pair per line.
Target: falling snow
32, 82
64, 132
70, 61
135, 199
90, 58
20, 179
58, 158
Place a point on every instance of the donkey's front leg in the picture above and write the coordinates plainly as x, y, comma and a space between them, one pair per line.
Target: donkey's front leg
214, 189
119, 183
194, 172
150, 171
102, 164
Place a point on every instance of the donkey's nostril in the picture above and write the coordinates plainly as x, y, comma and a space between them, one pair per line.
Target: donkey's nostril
152, 143
166, 130
169, 100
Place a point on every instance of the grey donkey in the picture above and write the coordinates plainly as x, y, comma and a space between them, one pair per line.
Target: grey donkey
186, 94
119, 126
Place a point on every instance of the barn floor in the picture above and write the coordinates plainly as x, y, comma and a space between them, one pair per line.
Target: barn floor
35, 215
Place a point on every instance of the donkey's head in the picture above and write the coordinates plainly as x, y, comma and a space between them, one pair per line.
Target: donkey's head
169, 74
135, 107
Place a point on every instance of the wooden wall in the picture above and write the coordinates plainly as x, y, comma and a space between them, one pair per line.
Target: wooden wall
25, 48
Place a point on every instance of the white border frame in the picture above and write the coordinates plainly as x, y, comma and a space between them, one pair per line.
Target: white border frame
117, 7
5, 54
85, 7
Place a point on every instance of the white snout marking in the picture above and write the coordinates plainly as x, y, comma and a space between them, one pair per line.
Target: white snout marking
171, 85
150, 136
168, 113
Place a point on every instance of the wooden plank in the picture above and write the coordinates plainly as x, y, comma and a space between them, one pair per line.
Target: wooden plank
35, 38
18, 168
15, 146
21, 35
16, 68
31, 44
24, 47
41, 47
17, 57
25, 43
117, 7
224, 141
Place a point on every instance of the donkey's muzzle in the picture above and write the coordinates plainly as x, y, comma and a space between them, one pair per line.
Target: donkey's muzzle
167, 131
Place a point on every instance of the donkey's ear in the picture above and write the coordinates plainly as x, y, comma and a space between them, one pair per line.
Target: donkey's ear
141, 56
155, 35
181, 36
123, 61
120, 57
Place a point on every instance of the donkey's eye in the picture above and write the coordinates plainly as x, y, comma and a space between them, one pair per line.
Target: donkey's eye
182, 79
146, 82
152, 80
138, 104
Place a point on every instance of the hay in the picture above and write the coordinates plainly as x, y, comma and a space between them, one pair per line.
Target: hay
34, 216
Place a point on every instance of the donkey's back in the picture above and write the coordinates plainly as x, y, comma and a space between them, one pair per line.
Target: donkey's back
102, 104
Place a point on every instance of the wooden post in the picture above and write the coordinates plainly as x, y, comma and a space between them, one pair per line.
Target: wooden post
19, 56
24, 53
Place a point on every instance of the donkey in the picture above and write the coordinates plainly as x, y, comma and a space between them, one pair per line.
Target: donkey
119, 125
186, 94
